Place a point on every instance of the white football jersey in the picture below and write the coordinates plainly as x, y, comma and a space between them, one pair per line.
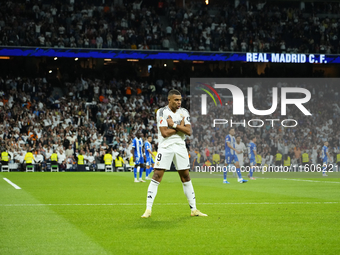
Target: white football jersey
242, 148
162, 116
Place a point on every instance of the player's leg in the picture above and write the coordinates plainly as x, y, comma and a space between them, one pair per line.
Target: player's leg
135, 172
182, 164
225, 172
232, 169
238, 170
188, 188
250, 174
251, 170
225, 169
141, 169
151, 168
163, 161
135, 169
241, 163
147, 171
152, 191
189, 192
147, 168
324, 168
152, 165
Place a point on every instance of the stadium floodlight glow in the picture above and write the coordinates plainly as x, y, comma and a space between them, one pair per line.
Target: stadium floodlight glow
107, 59
176, 61
164, 65
76, 59
50, 71
132, 60
4, 57
55, 58
198, 62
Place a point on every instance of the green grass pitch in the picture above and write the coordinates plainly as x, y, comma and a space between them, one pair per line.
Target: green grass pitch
99, 213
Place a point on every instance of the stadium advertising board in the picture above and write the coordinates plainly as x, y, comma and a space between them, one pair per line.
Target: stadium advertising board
286, 58
171, 55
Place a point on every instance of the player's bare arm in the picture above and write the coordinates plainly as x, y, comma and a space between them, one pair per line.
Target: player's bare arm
186, 129
170, 121
231, 147
166, 132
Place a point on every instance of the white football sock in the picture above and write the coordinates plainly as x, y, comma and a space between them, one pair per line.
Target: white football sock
190, 194
152, 192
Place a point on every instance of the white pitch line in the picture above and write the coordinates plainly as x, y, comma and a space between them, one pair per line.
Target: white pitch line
137, 204
299, 180
13, 184
288, 179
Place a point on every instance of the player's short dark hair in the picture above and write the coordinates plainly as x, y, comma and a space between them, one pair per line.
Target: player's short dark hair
149, 136
238, 136
231, 129
252, 137
174, 92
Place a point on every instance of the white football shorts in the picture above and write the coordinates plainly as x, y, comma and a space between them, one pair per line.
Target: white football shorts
176, 153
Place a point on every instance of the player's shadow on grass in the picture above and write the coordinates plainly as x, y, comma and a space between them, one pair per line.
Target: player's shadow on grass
158, 222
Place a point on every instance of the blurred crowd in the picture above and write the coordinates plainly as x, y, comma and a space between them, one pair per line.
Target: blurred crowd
257, 27
91, 118
307, 137
252, 26
77, 25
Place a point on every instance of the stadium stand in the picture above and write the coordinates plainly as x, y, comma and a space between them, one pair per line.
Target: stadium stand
33, 117
257, 27
63, 24
250, 26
